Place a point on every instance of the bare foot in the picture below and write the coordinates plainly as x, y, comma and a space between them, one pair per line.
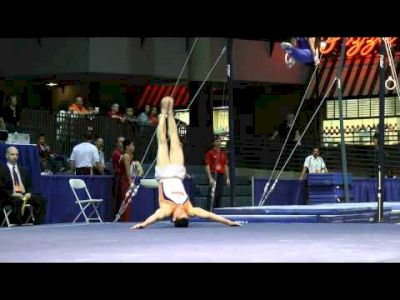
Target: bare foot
165, 105
171, 105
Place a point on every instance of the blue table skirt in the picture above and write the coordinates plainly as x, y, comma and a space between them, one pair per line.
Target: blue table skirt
293, 192
61, 205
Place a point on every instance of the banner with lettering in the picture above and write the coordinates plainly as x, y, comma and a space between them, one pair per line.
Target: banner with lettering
356, 46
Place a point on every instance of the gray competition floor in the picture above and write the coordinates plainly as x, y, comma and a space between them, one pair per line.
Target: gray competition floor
202, 242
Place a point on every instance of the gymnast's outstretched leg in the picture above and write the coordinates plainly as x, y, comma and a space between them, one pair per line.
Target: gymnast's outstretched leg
175, 152
162, 150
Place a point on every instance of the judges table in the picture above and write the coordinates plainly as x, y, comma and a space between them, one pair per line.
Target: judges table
61, 205
293, 192
29, 159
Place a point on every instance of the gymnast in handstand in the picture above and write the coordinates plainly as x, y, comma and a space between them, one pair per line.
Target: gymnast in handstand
170, 172
301, 49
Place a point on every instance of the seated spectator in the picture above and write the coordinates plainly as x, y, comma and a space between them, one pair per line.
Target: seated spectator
154, 116
46, 155
11, 113
92, 110
283, 129
50, 162
16, 190
129, 116
114, 113
78, 107
144, 116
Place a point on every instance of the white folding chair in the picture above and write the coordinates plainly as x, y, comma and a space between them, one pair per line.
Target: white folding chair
77, 184
7, 210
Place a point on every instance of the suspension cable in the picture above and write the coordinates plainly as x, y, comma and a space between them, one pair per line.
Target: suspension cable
297, 144
290, 130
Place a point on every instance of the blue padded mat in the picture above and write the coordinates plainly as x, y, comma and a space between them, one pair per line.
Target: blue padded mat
318, 209
268, 218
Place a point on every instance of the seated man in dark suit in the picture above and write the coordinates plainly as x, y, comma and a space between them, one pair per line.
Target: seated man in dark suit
17, 187
2, 195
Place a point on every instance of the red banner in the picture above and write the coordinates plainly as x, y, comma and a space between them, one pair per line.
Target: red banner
355, 46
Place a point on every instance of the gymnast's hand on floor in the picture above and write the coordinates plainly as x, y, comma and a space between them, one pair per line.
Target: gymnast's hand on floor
138, 226
236, 224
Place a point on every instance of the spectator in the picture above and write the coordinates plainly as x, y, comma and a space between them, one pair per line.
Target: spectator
375, 138
314, 164
283, 129
116, 155
50, 162
2, 123
78, 107
154, 116
129, 116
127, 166
144, 116
85, 157
17, 190
99, 143
11, 113
114, 113
115, 159
216, 165
46, 155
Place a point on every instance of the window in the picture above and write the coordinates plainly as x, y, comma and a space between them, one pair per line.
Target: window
364, 108
389, 106
221, 120
330, 109
352, 108
374, 107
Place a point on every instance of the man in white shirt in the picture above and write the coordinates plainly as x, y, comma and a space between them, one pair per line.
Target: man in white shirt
85, 157
314, 164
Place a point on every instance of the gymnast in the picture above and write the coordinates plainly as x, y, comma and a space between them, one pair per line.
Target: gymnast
170, 172
302, 50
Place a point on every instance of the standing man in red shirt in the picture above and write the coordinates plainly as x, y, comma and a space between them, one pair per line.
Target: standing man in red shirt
115, 159
216, 165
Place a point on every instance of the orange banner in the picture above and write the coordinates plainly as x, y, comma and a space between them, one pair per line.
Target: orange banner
355, 46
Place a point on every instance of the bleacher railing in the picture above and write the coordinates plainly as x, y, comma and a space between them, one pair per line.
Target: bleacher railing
258, 151
64, 130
